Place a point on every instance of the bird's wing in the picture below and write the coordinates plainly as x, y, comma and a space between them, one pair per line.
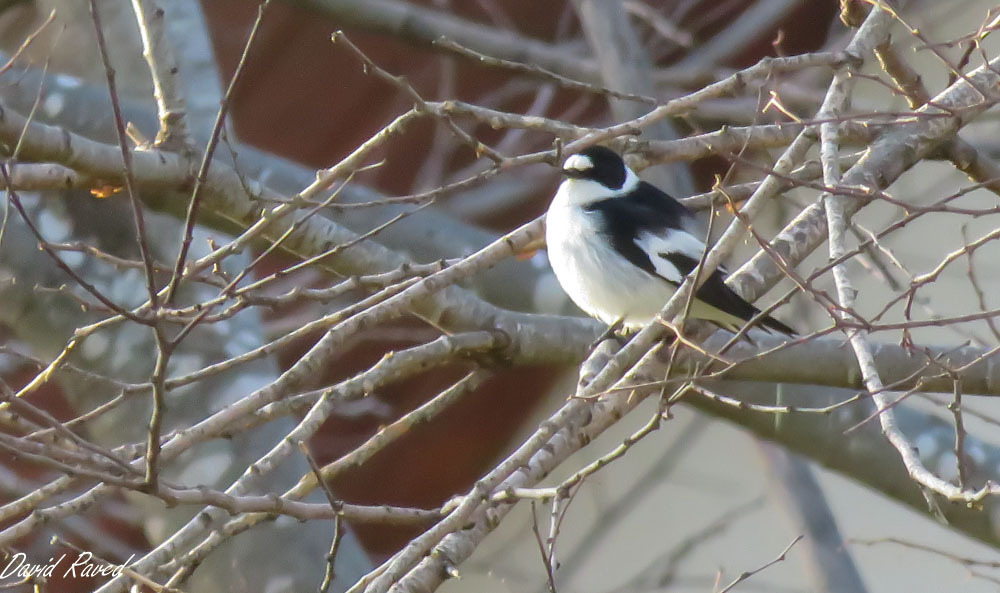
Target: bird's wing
662, 208
672, 252
648, 228
715, 292
646, 212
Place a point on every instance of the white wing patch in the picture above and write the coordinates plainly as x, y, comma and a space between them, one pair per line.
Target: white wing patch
673, 241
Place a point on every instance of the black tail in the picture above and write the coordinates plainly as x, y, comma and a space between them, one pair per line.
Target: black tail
717, 293
770, 323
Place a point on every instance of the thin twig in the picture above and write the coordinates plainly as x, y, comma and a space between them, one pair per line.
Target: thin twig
533, 70
131, 186
336, 505
746, 575
200, 181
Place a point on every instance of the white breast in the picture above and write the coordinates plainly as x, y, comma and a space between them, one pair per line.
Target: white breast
599, 280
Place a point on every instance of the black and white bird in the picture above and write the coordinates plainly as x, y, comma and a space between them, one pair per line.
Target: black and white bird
620, 247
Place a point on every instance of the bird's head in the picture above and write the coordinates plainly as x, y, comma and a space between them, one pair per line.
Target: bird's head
602, 165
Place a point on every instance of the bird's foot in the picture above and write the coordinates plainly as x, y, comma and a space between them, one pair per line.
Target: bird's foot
616, 330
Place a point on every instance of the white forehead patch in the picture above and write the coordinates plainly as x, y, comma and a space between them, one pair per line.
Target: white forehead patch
578, 162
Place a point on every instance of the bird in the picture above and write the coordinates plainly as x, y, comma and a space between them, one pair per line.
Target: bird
620, 247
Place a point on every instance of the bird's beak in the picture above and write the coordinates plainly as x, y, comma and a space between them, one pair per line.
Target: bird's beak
573, 173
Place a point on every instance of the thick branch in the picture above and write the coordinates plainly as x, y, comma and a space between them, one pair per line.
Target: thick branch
887, 158
173, 132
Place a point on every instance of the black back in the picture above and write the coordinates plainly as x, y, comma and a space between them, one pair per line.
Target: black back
643, 210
